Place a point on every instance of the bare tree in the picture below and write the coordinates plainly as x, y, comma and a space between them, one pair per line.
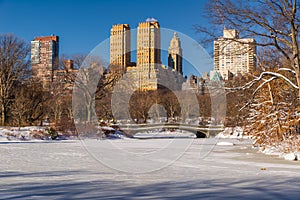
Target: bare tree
13, 68
91, 83
235, 116
171, 104
86, 83
274, 25
27, 107
140, 104
56, 100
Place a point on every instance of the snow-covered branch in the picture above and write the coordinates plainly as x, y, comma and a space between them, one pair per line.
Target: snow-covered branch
274, 74
279, 76
261, 85
287, 69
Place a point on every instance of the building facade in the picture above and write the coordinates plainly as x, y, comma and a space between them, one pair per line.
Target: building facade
197, 84
44, 58
120, 48
148, 54
233, 55
66, 75
175, 54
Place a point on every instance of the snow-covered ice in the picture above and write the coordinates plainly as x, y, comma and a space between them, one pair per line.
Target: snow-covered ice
68, 170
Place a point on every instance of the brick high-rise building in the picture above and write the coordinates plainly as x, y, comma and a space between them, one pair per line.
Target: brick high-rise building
148, 54
175, 54
120, 54
233, 55
44, 58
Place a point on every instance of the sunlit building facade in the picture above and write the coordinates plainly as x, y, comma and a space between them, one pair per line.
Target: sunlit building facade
233, 55
44, 58
148, 54
120, 54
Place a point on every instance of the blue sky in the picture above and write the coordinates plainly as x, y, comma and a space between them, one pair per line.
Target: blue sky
82, 25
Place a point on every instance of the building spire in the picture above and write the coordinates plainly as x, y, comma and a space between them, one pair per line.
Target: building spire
175, 54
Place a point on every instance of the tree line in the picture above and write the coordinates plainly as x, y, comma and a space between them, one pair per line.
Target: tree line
25, 102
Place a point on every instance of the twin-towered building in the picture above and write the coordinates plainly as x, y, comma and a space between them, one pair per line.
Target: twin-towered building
147, 73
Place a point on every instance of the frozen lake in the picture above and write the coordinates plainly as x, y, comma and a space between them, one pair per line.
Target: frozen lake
117, 169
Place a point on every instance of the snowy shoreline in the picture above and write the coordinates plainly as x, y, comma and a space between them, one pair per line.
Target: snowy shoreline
33, 134
238, 133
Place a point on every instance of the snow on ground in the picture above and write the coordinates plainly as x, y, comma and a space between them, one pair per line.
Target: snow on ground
39, 133
287, 156
225, 144
232, 132
237, 132
22, 134
68, 170
165, 134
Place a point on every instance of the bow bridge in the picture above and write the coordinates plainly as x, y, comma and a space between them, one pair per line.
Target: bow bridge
198, 130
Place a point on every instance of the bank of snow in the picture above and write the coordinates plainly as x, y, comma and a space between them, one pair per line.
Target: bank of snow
233, 133
22, 134
238, 133
41, 133
292, 156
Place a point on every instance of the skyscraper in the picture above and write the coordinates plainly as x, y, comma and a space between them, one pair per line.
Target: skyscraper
148, 54
233, 55
120, 47
44, 58
175, 54
148, 73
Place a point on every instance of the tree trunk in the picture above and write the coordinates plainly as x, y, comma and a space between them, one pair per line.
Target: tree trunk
298, 82
3, 115
19, 123
89, 111
295, 48
88, 114
296, 64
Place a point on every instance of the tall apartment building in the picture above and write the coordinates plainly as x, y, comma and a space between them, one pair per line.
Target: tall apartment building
148, 73
234, 55
120, 55
44, 58
175, 54
148, 54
